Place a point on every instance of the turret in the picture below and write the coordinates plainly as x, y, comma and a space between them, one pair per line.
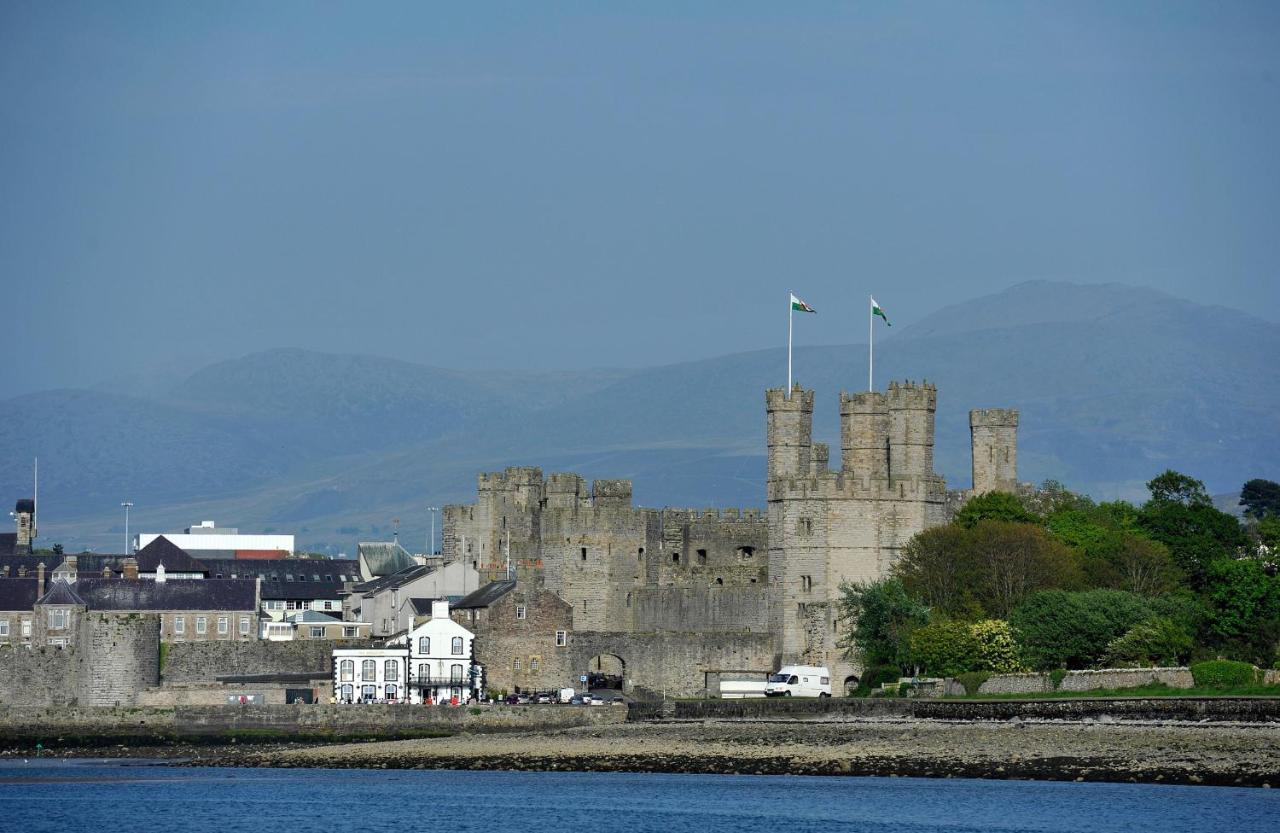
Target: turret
994, 440
864, 435
911, 410
24, 513
790, 431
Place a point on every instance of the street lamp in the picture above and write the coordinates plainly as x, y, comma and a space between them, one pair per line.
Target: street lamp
127, 506
431, 542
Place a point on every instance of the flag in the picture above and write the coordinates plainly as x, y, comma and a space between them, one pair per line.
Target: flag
875, 310
800, 306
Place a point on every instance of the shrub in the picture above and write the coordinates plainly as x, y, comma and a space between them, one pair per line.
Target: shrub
877, 675
1059, 629
996, 648
1056, 676
1224, 673
944, 649
1157, 641
972, 681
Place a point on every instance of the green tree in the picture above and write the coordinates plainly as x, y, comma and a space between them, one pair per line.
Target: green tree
878, 618
1134, 563
936, 567
1261, 498
943, 648
1197, 535
1157, 641
1243, 610
1013, 560
1175, 487
994, 506
997, 648
1060, 629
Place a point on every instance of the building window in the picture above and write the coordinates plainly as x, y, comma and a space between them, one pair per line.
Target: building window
519, 611
391, 670
533, 663
455, 673
746, 553
584, 553
806, 583
391, 692
640, 554
348, 632
515, 664
424, 672
424, 645
202, 624
60, 642
562, 639
675, 558
369, 670
224, 625
347, 671
804, 526
702, 556
347, 693
457, 646
244, 625
26, 628
4, 627
179, 625
57, 619
317, 631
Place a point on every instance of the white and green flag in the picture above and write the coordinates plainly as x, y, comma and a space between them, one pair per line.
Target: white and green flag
876, 310
800, 306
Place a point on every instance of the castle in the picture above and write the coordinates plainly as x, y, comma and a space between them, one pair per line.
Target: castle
728, 591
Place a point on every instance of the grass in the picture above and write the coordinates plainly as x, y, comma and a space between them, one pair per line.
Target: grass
1152, 690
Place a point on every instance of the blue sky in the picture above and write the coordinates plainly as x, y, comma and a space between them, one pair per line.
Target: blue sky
577, 185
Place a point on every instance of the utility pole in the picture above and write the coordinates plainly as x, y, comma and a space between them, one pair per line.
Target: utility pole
431, 542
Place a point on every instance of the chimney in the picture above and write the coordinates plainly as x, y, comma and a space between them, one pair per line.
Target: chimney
40, 579
106, 571
160, 574
440, 609
73, 565
4, 572
22, 571
131, 568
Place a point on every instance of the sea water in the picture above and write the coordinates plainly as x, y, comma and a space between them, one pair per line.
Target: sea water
38, 796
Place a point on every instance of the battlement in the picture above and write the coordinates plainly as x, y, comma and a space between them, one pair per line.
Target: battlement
679, 515
611, 493
776, 399
513, 477
865, 402
994, 418
908, 395
852, 486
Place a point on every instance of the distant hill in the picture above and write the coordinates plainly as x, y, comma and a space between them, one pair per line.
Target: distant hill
1115, 384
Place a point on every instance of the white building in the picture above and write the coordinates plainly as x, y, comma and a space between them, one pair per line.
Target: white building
437, 665
210, 540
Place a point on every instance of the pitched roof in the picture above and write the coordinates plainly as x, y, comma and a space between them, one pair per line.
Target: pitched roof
399, 579
421, 607
331, 571
17, 594
13, 562
8, 541
486, 595
331, 590
60, 594
174, 558
384, 558
314, 617
92, 562
171, 594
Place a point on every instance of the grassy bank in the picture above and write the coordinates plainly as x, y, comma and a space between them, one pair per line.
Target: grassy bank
1152, 690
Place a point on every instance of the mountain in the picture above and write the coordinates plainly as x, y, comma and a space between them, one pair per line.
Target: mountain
1115, 383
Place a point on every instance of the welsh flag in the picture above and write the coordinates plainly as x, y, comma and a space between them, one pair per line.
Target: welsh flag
800, 306
875, 310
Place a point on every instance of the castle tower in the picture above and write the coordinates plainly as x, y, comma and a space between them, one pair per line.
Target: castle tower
24, 513
994, 437
911, 411
790, 431
864, 435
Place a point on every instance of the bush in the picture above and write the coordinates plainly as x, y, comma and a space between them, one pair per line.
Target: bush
1059, 629
1224, 673
997, 650
972, 681
1056, 676
944, 649
1157, 641
877, 675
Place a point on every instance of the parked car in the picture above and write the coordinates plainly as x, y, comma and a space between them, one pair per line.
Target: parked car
577, 700
597, 700
620, 700
543, 698
512, 699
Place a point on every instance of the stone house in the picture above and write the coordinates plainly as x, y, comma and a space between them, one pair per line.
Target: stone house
523, 636
311, 624
386, 602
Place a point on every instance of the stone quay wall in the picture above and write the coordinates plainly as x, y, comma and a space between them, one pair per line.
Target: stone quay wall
1106, 678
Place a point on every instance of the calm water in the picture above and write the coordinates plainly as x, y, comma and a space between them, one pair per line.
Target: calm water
107, 796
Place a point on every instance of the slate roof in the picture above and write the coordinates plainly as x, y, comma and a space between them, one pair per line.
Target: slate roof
91, 563
61, 594
13, 562
17, 594
314, 617
329, 590
384, 558
486, 595
171, 594
277, 569
8, 540
25, 504
174, 558
421, 607
390, 582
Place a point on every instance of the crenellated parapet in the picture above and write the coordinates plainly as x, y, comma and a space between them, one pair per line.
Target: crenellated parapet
789, 430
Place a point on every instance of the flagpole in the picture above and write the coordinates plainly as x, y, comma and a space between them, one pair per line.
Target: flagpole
790, 314
871, 346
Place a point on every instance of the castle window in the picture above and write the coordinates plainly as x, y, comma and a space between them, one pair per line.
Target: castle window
520, 610
806, 583
584, 553
675, 558
804, 526
702, 556
640, 554
533, 664
802, 610
224, 625
4, 627
562, 639
719, 580
628, 599
244, 625
753, 581
515, 665
57, 619
26, 628
746, 553
179, 625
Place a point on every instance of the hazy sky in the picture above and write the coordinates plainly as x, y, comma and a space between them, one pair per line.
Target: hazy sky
563, 185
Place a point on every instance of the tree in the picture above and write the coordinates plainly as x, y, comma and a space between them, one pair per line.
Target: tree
879, 617
997, 648
1243, 610
1132, 563
936, 567
1013, 560
1261, 498
1060, 629
1175, 487
1196, 534
1157, 641
943, 649
997, 506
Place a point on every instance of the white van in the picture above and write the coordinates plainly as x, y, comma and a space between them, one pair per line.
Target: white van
799, 681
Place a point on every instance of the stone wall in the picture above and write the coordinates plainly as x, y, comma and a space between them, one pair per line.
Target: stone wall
187, 662
1107, 678
675, 664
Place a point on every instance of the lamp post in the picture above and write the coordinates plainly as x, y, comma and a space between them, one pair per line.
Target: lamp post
127, 506
431, 543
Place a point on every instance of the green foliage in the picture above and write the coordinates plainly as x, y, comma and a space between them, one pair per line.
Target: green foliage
1053, 497
1222, 673
1261, 498
943, 649
1243, 616
879, 617
1196, 535
994, 506
1268, 532
1175, 487
1056, 676
1060, 629
1012, 560
164, 654
1157, 641
935, 567
972, 681
997, 648
878, 675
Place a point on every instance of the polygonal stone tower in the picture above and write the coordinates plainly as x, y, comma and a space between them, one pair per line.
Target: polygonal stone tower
994, 437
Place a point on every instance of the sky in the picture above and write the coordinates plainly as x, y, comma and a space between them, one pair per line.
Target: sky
584, 185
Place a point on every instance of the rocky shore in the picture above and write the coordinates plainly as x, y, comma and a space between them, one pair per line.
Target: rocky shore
1233, 754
